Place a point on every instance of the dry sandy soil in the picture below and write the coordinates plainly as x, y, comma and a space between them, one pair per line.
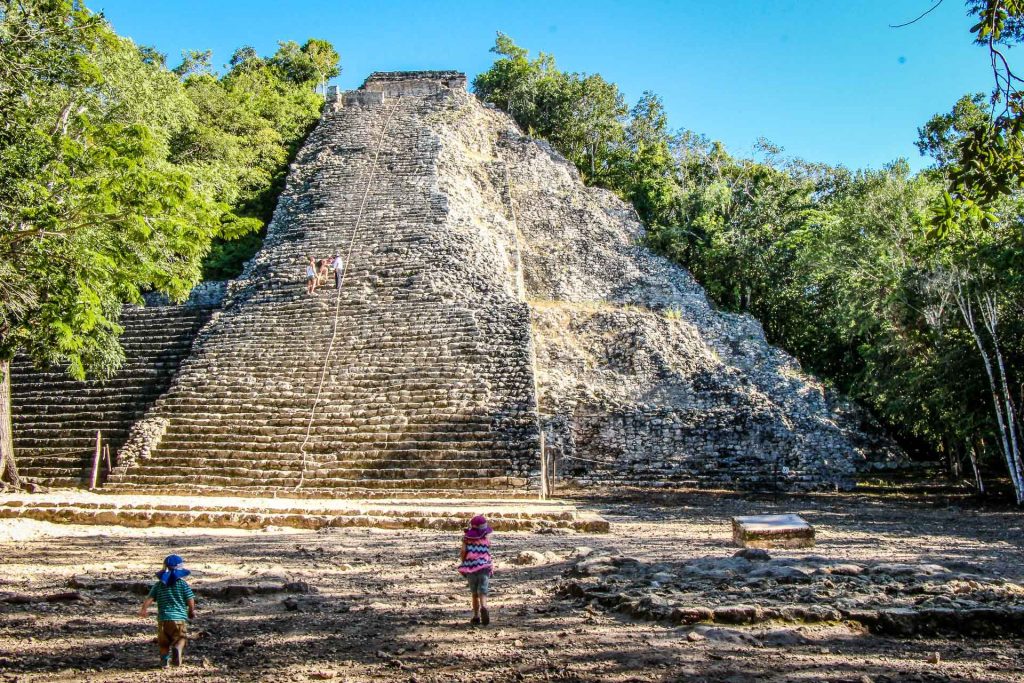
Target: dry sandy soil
388, 605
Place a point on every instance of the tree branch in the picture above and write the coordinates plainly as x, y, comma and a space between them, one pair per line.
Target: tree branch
918, 18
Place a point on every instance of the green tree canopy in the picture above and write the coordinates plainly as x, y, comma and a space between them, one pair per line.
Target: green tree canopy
117, 176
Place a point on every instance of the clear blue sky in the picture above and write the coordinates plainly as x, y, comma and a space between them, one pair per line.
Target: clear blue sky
828, 80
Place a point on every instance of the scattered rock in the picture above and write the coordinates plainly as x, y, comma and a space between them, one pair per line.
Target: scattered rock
736, 614
898, 599
782, 637
753, 554
727, 635
527, 557
779, 574
691, 615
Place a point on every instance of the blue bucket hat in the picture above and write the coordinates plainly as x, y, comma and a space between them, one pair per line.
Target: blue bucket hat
174, 569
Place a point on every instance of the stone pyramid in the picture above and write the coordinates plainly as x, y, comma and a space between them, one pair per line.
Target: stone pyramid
497, 318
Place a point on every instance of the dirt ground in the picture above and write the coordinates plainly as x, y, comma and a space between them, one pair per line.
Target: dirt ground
388, 605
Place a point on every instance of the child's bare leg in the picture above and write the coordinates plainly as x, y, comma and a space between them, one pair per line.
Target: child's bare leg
179, 651
476, 604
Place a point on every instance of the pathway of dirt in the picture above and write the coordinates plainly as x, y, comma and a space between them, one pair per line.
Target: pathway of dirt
388, 606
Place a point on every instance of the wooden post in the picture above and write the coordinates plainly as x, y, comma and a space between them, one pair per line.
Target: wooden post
96, 460
106, 453
543, 468
554, 476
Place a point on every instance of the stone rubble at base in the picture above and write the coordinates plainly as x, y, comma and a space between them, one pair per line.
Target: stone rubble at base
751, 588
490, 297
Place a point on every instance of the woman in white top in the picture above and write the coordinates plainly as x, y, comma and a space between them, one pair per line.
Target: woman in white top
310, 276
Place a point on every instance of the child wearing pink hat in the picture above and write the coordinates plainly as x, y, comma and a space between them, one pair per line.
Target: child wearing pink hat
476, 565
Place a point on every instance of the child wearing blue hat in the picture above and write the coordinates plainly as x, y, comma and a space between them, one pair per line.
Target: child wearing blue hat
176, 604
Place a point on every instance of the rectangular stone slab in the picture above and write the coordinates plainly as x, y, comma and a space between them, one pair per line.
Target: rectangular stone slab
772, 531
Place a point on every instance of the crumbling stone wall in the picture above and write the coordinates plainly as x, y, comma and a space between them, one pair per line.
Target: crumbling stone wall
641, 380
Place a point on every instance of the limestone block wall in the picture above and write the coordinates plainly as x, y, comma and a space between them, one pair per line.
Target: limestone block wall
641, 381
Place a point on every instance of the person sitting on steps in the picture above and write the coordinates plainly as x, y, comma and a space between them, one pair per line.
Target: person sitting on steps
176, 605
310, 276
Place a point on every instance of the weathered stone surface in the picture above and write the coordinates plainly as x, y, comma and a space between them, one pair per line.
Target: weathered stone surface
181, 512
915, 601
527, 557
772, 531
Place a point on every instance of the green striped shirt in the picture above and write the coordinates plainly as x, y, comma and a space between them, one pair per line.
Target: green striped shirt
172, 601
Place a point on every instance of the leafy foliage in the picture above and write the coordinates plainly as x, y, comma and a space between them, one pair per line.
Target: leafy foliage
91, 210
249, 125
987, 163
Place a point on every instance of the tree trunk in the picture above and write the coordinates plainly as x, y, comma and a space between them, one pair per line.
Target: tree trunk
990, 316
1011, 414
966, 310
8, 467
952, 459
973, 455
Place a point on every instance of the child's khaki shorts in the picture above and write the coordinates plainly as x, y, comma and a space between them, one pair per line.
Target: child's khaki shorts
170, 632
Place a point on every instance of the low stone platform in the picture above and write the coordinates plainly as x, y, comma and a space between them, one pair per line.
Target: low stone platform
752, 588
80, 507
772, 531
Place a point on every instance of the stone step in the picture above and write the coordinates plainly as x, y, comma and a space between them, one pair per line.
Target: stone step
364, 456
59, 482
52, 472
293, 479
32, 434
310, 489
221, 512
322, 472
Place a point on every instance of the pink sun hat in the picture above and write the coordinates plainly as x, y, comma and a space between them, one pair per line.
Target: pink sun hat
478, 527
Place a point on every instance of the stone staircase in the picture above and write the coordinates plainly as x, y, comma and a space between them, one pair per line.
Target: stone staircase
428, 386
56, 417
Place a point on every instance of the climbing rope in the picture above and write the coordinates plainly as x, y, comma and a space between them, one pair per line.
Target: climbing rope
341, 283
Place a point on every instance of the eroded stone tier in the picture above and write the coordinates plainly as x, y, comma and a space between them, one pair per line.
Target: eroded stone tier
428, 387
641, 380
55, 418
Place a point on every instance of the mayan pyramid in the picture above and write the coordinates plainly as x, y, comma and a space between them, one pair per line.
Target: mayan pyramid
496, 314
